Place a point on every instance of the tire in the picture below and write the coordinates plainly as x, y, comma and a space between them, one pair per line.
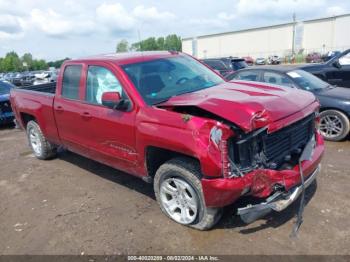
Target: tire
334, 125
42, 148
184, 172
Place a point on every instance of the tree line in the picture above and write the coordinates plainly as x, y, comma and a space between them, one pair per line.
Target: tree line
12, 62
170, 42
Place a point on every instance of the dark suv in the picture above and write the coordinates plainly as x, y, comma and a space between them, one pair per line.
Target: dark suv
335, 71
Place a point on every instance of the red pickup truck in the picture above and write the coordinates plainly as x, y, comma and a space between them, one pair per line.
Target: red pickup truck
170, 120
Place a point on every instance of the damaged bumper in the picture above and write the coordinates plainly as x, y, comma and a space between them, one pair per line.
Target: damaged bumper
260, 183
277, 202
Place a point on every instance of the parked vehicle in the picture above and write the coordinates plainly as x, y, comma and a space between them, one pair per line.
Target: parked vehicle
260, 61
45, 77
313, 58
238, 63
6, 114
169, 119
219, 66
335, 101
249, 60
330, 55
28, 79
335, 71
273, 60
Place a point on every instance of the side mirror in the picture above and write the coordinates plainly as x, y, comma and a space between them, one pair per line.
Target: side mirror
336, 64
111, 99
114, 101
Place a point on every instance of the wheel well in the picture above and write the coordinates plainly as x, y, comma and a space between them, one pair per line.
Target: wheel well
336, 109
156, 156
26, 118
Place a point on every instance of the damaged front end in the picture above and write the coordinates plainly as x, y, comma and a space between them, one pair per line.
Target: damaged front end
267, 166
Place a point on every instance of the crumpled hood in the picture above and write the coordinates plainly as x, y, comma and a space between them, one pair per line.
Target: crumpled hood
240, 102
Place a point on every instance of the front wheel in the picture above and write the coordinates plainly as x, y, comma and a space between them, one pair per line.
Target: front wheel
334, 125
42, 148
178, 190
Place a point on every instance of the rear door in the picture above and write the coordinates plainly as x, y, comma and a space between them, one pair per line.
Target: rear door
68, 113
111, 133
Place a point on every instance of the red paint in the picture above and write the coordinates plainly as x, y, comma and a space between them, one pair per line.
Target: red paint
120, 139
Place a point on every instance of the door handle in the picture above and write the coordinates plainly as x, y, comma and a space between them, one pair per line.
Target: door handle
59, 109
86, 115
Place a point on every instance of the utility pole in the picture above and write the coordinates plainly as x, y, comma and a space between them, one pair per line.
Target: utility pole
293, 39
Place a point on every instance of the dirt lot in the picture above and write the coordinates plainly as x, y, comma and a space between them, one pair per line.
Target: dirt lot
72, 205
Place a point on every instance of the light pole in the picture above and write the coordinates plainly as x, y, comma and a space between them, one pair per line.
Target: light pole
293, 38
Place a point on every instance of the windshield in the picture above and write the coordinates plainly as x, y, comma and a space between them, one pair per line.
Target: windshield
160, 79
239, 64
307, 81
4, 88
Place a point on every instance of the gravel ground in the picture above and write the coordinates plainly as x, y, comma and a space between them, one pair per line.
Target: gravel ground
72, 205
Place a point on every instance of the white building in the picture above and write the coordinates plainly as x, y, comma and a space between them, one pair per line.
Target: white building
319, 35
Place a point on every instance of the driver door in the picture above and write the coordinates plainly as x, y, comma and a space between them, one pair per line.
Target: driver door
111, 132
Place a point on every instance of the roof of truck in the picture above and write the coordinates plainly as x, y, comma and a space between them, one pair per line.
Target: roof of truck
129, 57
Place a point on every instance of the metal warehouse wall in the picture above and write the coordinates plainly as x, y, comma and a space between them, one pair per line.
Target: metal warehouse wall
319, 35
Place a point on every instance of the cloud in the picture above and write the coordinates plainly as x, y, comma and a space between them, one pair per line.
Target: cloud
115, 17
335, 10
57, 25
277, 8
10, 24
151, 14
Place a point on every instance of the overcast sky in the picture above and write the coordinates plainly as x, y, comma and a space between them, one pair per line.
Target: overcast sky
52, 29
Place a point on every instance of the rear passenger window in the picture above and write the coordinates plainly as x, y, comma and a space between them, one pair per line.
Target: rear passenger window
71, 81
277, 79
247, 75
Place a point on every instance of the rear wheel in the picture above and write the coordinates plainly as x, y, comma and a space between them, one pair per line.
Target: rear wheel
334, 125
178, 190
42, 148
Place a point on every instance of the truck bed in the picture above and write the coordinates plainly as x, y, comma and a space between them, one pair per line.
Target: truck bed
44, 88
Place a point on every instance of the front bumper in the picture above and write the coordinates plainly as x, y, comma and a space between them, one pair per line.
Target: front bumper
277, 202
260, 183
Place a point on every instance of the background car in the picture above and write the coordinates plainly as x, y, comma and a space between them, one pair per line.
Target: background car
335, 71
313, 57
249, 60
335, 101
330, 55
260, 61
273, 60
220, 66
6, 114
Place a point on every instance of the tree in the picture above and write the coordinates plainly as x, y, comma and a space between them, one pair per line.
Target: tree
173, 42
122, 46
27, 61
11, 62
161, 43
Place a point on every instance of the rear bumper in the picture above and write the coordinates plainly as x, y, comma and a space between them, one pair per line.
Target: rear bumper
277, 202
259, 183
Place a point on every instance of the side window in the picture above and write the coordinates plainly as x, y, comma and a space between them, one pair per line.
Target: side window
247, 75
345, 59
71, 81
99, 81
277, 79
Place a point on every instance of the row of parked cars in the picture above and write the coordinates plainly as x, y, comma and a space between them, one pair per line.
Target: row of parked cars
30, 77
329, 81
20, 80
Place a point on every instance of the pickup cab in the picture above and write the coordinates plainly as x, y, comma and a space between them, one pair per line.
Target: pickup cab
167, 118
